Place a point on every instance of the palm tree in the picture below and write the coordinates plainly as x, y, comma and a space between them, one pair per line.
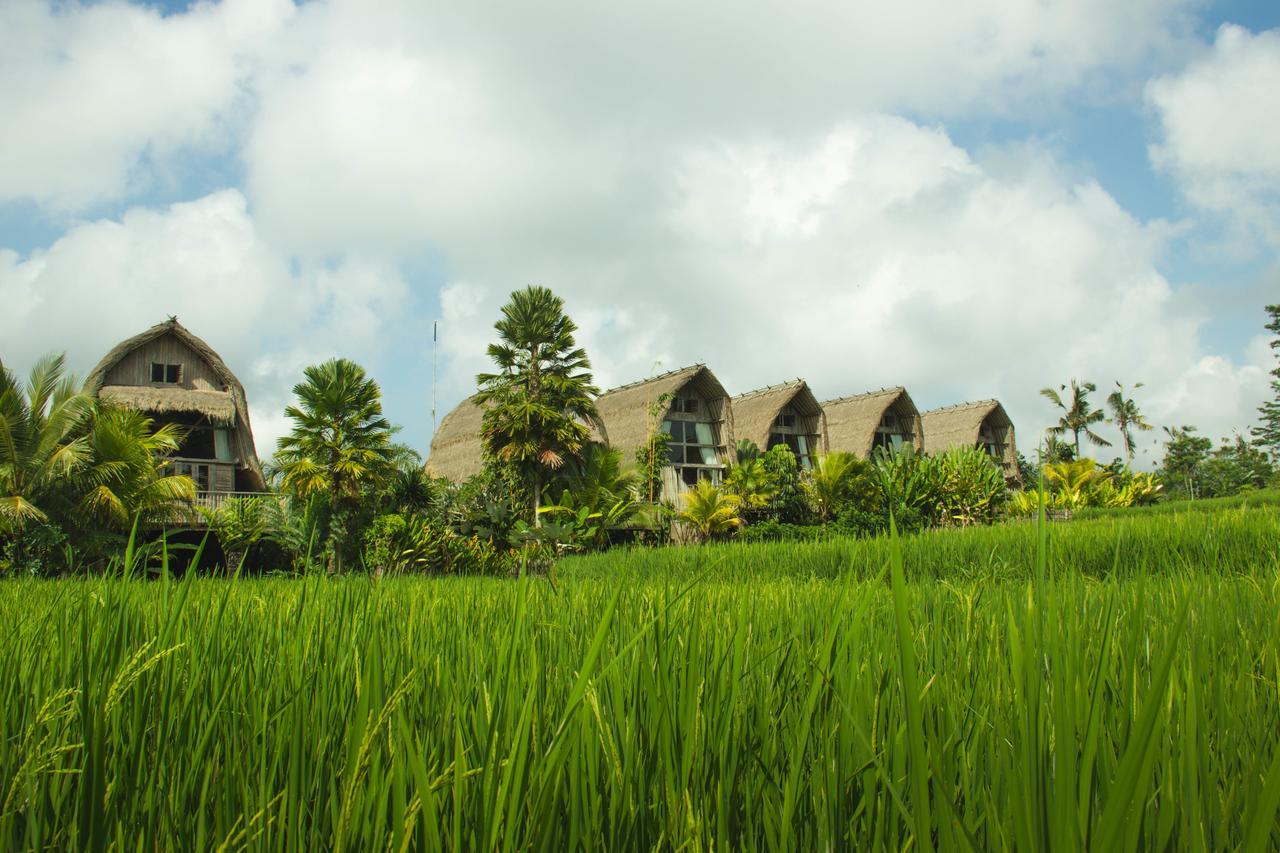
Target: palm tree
831, 482
753, 483
598, 480
1126, 417
710, 510
538, 404
125, 476
340, 441
42, 440
1077, 417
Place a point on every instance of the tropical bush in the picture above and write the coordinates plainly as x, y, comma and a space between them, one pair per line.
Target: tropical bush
971, 487
710, 511
397, 544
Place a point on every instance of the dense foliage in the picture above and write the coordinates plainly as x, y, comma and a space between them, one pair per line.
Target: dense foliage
77, 474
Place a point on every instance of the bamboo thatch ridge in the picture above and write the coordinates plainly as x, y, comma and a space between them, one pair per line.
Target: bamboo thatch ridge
457, 453
852, 421
174, 400
960, 426
624, 411
754, 412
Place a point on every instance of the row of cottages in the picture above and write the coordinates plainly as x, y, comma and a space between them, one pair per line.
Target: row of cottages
704, 424
174, 377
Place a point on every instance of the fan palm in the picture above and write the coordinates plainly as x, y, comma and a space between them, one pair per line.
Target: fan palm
43, 444
1077, 416
1126, 417
339, 444
710, 510
340, 439
538, 404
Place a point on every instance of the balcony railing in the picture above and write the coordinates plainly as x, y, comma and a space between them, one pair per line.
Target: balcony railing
215, 500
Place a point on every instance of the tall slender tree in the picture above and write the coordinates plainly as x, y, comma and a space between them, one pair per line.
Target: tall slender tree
1078, 416
1267, 433
339, 444
1126, 417
538, 404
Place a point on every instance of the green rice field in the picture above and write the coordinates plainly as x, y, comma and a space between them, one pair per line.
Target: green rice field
1109, 684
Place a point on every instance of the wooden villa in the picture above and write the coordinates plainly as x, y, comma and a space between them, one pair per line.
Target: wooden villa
691, 406
788, 414
885, 418
457, 453
982, 424
175, 377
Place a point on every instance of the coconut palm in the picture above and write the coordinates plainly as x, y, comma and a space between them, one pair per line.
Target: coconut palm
1126, 417
340, 440
538, 403
710, 510
125, 477
1077, 416
42, 440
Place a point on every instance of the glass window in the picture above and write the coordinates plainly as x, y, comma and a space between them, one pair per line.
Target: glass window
689, 476
222, 444
703, 432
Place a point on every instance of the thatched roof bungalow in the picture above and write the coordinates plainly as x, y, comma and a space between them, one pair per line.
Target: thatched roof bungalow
885, 418
457, 453
688, 404
175, 377
787, 413
981, 424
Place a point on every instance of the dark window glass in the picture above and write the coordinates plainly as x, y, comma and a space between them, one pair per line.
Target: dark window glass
157, 372
173, 373
690, 476
675, 454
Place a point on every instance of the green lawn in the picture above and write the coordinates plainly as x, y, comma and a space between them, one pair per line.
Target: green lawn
1116, 686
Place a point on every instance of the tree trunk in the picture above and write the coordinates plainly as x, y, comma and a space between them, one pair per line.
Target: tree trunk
537, 504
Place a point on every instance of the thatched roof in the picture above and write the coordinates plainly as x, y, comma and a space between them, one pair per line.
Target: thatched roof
624, 411
456, 449
174, 398
754, 412
852, 421
959, 426
217, 406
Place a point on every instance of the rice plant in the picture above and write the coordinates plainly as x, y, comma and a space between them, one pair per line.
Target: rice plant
1104, 685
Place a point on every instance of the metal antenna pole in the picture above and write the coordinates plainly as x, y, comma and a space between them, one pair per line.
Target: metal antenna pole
435, 336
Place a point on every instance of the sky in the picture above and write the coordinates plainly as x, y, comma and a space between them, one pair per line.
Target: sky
970, 200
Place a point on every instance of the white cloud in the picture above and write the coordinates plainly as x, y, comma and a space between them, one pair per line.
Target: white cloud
730, 185
98, 99
205, 262
905, 261
1221, 132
